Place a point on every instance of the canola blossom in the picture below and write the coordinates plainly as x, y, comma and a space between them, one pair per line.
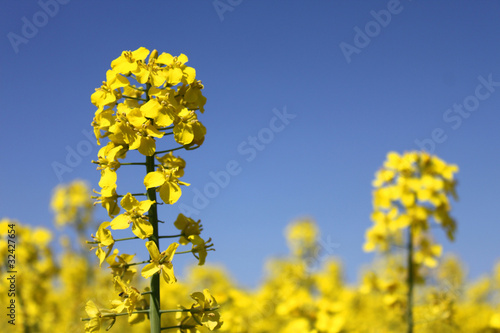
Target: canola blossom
146, 99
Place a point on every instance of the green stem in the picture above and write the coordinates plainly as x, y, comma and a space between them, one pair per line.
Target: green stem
139, 99
140, 89
169, 150
154, 307
409, 309
166, 128
133, 194
190, 310
183, 252
130, 238
133, 163
171, 236
111, 315
138, 263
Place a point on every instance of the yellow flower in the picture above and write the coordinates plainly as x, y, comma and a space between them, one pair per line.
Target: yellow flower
167, 183
160, 262
119, 265
109, 92
96, 317
105, 239
188, 227
132, 128
108, 200
205, 310
169, 161
134, 215
188, 129
72, 204
176, 71
131, 297
377, 236
427, 253
159, 111
129, 61
200, 248
302, 237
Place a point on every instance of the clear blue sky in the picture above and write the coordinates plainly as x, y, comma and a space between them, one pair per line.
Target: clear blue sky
353, 96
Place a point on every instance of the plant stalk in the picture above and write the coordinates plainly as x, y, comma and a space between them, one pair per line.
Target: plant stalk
154, 307
409, 310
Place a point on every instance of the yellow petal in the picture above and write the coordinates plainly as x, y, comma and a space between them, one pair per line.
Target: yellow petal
168, 275
91, 309
142, 229
129, 202
165, 59
108, 178
153, 250
170, 193
122, 221
149, 270
154, 179
147, 146
183, 133
144, 206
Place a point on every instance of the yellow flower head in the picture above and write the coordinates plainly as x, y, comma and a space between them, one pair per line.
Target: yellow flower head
160, 262
134, 215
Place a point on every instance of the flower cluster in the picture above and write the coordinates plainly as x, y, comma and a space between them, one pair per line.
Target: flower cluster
146, 97
139, 103
72, 203
410, 191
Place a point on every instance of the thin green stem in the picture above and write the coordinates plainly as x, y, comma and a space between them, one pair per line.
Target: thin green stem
111, 315
140, 89
171, 236
133, 163
184, 252
130, 238
195, 310
409, 313
139, 99
154, 307
133, 194
138, 263
169, 150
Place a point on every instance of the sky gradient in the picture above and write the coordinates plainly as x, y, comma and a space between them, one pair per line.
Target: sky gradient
305, 99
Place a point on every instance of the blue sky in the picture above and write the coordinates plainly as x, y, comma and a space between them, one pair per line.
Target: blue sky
350, 97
